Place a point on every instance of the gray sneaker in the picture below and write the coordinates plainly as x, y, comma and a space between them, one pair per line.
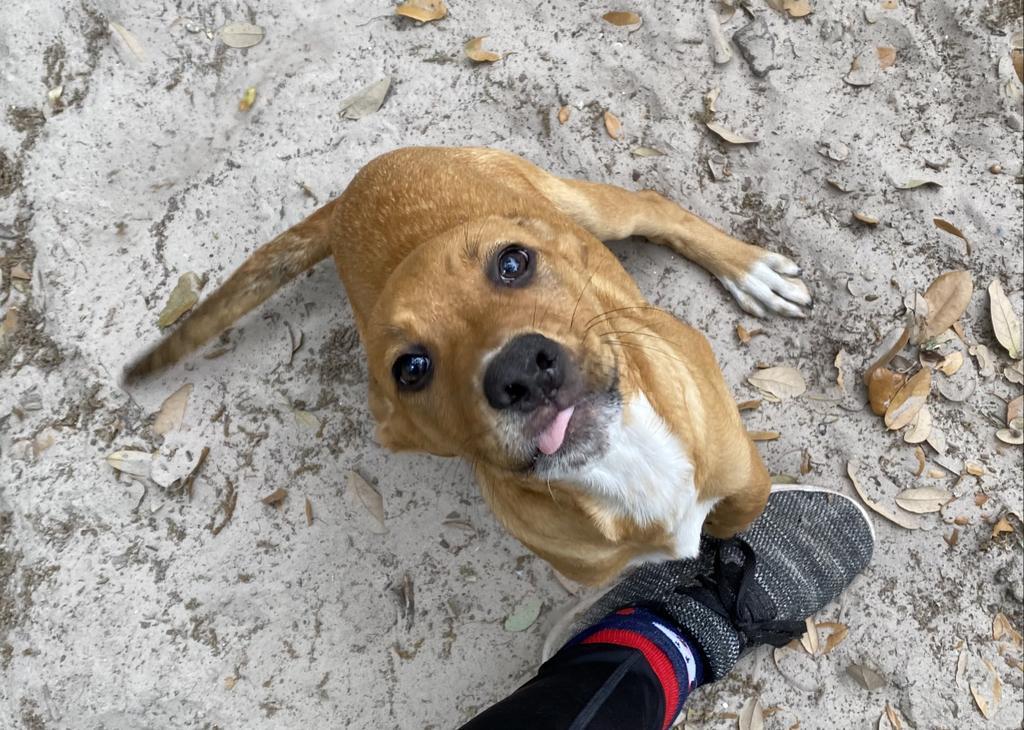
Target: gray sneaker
755, 588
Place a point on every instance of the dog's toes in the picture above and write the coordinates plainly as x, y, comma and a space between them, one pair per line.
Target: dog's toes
770, 286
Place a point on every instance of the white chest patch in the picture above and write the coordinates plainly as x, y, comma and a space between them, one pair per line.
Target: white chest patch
645, 475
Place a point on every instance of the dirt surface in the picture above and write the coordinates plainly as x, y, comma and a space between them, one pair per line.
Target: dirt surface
120, 607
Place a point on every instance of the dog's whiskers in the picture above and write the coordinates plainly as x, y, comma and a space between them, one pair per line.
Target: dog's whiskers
593, 323
638, 346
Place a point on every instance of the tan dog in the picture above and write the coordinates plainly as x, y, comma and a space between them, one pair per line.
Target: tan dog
498, 328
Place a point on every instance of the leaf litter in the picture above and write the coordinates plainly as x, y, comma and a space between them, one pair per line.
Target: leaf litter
183, 297
367, 100
779, 382
475, 52
172, 411
424, 11
371, 500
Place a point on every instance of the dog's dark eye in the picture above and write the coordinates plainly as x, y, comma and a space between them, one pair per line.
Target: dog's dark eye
513, 266
412, 371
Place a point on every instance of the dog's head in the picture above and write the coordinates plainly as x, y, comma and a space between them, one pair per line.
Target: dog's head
483, 344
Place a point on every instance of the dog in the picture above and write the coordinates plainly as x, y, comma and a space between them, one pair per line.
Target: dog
500, 329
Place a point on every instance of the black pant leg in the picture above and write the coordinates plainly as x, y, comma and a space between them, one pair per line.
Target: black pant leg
586, 687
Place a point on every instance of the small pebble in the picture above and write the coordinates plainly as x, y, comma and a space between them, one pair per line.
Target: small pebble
995, 168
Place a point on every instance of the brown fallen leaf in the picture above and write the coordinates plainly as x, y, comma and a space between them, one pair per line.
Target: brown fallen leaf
951, 363
902, 519
366, 101
309, 513
981, 702
952, 538
809, 640
780, 382
130, 41
947, 298
563, 115
241, 35
920, 428
1012, 436
247, 100
730, 136
763, 435
183, 297
621, 17
275, 497
227, 506
922, 500
868, 678
980, 500
370, 498
953, 230
961, 669
909, 400
883, 384
1004, 320
749, 405
751, 715
1001, 626
797, 8
190, 479
891, 716
886, 56
424, 11
986, 363
474, 51
921, 461
838, 634
865, 218
612, 125
1015, 410
172, 411
975, 470
805, 463
1001, 527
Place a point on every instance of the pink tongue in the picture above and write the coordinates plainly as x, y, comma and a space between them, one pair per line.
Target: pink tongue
551, 438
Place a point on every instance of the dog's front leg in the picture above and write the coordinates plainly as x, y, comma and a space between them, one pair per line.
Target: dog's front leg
759, 280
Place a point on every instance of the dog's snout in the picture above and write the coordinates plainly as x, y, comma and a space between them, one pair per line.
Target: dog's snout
527, 372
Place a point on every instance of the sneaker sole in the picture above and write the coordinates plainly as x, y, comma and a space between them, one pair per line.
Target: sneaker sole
561, 625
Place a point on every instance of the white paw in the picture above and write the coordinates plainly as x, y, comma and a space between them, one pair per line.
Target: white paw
771, 285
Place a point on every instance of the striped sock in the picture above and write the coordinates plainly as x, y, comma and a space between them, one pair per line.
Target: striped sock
673, 657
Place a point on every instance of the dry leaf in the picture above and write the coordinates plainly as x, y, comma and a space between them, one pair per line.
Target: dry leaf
951, 363
838, 634
986, 363
980, 500
183, 297
748, 405
914, 183
805, 463
809, 641
172, 411
247, 100
919, 455
923, 500
890, 718
866, 677
366, 101
751, 715
309, 513
474, 51
1011, 436
241, 35
1001, 627
129, 40
797, 8
920, 428
886, 56
422, 10
646, 152
524, 615
975, 470
961, 669
306, 419
1015, 410
1004, 320
953, 538
947, 298
883, 384
563, 115
781, 382
981, 702
612, 125
729, 136
276, 497
135, 463
1015, 374
899, 518
621, 17
950, 228
865, 218
1001, 527
909, 400
371, 500
763, 435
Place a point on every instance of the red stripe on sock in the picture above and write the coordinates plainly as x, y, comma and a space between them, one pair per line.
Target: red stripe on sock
660, 664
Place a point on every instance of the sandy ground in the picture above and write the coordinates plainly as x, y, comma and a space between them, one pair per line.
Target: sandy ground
120, 607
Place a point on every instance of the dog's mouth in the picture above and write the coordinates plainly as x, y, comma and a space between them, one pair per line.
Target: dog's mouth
564, 436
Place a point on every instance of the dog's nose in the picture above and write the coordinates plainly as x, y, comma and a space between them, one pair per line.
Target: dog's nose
527, 372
